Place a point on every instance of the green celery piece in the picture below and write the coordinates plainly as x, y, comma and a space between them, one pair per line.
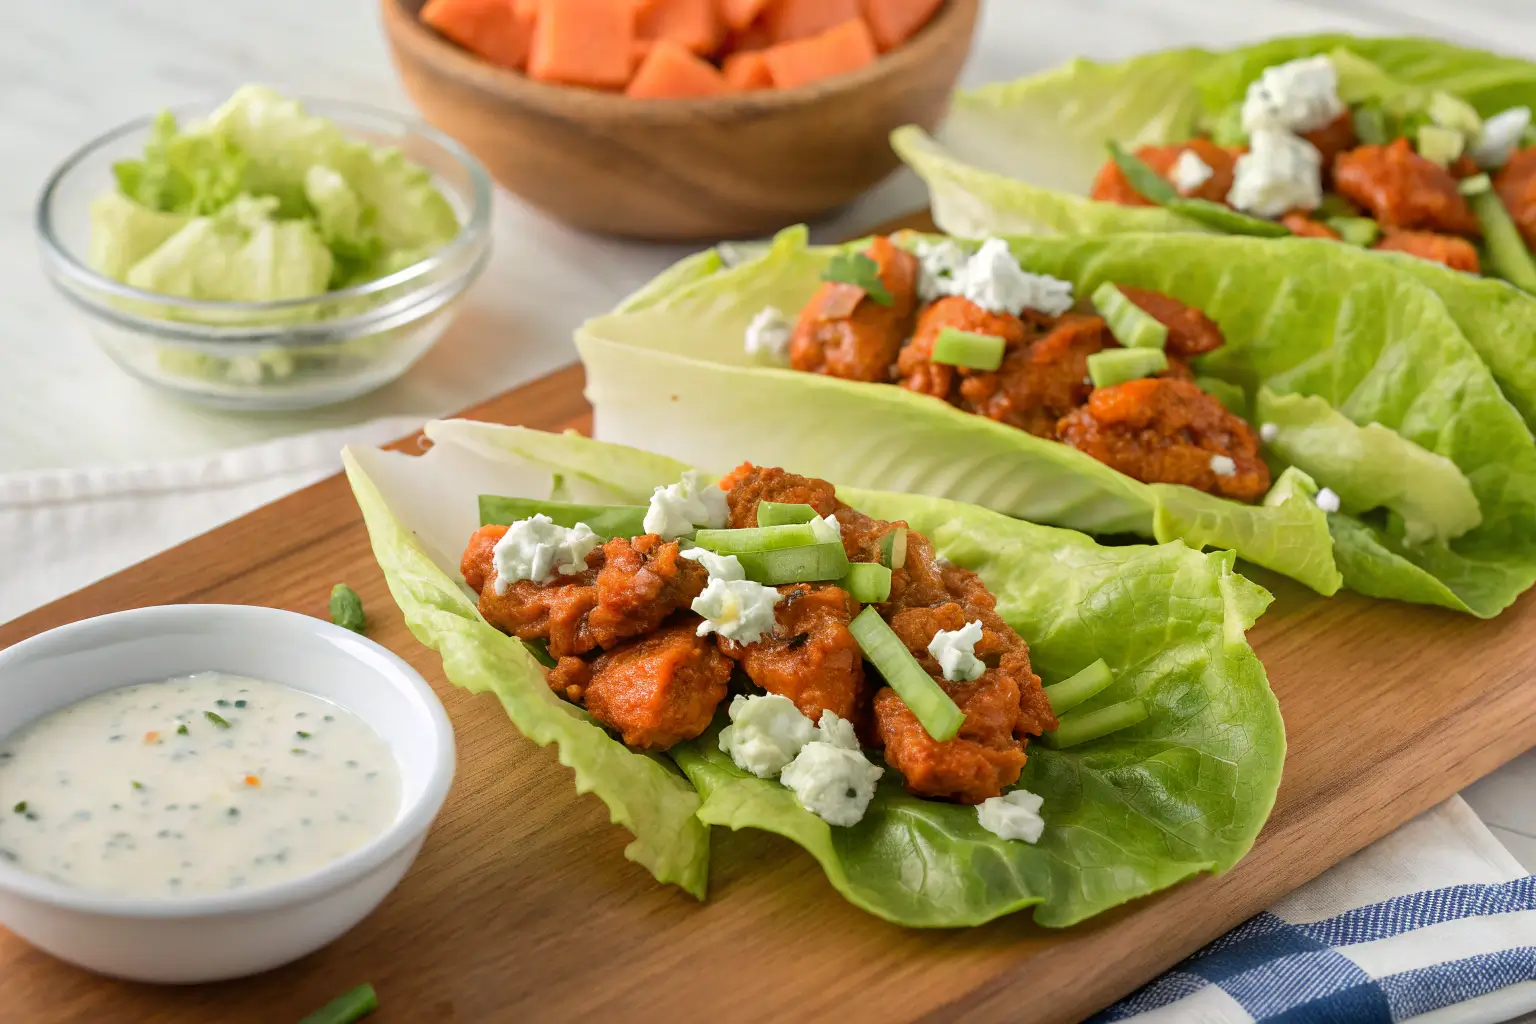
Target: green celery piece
867, 582
1456, 114
926, 699
762, 538
607, 521
1119, 365
1507, 255
775, 513
1093, 725
893, 548
1474, 184
1370, 125
1356, 231
1152, 186
968, 349
347, 609
346, 1008
1440, 145
1131, 325
805, 564
1079, 687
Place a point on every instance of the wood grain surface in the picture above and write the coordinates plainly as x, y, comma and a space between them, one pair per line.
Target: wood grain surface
523, 908
733, 166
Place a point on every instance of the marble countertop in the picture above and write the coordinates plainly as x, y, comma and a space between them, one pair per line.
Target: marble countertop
69, 69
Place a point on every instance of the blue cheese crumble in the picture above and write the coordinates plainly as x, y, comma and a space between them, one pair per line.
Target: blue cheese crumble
738, 610
955, 651
1280, 172
1014, 815
719, 567
994, 281
765, 734
676, 510
769, 334
538, 550
1501, 134
1222, 465
832, 782
1297, 96
940, 265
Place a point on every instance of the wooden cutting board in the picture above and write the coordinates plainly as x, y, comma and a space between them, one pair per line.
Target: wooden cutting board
523, 908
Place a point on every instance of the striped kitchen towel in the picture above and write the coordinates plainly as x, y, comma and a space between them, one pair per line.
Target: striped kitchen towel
1434, 924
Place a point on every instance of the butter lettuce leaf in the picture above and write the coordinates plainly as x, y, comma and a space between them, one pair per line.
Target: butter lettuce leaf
1183, 793
124, 231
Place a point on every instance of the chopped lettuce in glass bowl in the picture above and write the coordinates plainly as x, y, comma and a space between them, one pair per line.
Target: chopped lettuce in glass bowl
267, 253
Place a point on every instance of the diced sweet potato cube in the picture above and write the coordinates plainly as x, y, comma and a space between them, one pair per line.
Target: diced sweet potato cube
738, 14
693, 24
672, 72
893, 22
754, 37
584, 42
527, 8
494, 29
747, 70
788, 20
836, 51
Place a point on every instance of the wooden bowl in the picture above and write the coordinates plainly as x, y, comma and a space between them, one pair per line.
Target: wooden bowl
733, 166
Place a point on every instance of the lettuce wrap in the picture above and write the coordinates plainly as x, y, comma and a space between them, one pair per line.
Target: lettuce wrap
1020, 157
1437, 470
1182, 793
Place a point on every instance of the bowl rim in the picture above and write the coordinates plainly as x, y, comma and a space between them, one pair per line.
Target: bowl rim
405, 29
473, 232
410, 824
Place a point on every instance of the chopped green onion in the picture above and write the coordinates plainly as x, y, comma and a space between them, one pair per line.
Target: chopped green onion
1152, 186
607, 521
1440, 145
347, 1008
861, 271
774, 513
1360, 231
761, 538
1118, 365
1370, 126
1092, 725
347, 609
867, 582
136, 784
968, 349
216, 718
540, 650
893, 548
932, 707
1455, 114
181, 730
1226, 219
1073, 690
1131, 325
1474, 184
20, 808
804, 564
1507, 255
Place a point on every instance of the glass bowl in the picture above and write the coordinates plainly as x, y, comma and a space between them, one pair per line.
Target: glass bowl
286, 354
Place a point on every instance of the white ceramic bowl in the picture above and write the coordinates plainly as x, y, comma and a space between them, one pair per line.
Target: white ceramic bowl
225, 935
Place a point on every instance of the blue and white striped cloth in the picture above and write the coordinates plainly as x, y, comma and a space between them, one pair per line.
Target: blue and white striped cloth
1435, 924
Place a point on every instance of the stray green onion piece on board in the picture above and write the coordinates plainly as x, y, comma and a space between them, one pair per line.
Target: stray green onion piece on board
1131, 325
346, 1008
347, 608
1118, 365
932, 707
968, 349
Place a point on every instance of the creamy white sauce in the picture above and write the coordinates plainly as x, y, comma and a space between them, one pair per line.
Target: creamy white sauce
141, 791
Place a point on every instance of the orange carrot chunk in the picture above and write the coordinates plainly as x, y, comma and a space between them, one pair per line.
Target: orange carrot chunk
738, 14
893, 22
498, 30
671, 72
692, 24
788, 20
747, 70
836, 51
754, 37
584, 42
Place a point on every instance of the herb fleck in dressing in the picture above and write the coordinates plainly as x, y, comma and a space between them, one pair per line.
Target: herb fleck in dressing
200, 784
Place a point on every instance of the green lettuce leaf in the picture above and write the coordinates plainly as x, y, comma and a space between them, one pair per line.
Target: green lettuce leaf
414, 510
1302, 318
182, 173
1183, 793
124, 232
1019, 158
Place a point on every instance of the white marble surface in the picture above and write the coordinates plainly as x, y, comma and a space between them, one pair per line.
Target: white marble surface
71, 68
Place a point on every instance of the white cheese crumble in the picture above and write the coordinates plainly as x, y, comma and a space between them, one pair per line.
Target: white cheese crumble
769, 335
719, 567
1268, 432
940, 267
1501, 134
536, 549
836, 731
765, 734
1296, 96
1280, 172
1222, 465
738, 610
1190, 172
678, 509
826, 529
994, 281
1327, 500
1014, 815
834, 783
955, 651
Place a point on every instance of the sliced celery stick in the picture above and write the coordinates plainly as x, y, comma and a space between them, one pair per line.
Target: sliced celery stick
1092, 725
968, 349
1474, 185
1131, 325
868, 582
1440, 145
762, 538
774, 513
806, 564
1073, 690
607, 521
933, 708
1361, 231
893, 548
1507, 255
1456, 114
1118, 365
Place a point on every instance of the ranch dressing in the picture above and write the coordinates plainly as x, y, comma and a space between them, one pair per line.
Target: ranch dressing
201, 784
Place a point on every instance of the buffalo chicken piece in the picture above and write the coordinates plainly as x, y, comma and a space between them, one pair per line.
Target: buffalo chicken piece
1333, 138
747, 485
1111, 184
915, 365
843, 332
661, 689
1404, 190
1169, 431
1190, 332
810, 657
1303, 226
1456, 253
1516, 185
1040, 383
